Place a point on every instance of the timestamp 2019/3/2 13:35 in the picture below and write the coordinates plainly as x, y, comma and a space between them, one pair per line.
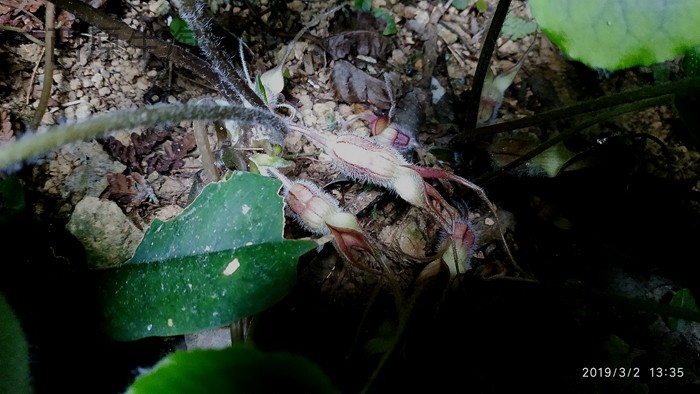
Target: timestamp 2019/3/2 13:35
631, 372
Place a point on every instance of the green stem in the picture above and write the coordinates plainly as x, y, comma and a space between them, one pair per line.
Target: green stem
55, 137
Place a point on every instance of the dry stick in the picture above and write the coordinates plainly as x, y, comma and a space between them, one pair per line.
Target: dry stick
48, 64
622, 109
205, 153
21, 31
30, 88
484, 61
683, 86
155, 46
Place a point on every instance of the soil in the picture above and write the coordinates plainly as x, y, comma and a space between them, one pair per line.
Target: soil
619, 222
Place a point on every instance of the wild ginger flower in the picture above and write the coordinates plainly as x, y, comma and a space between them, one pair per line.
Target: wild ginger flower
319, 212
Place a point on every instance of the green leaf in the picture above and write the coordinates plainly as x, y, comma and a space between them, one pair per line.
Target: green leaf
552, 160
616, 34
691, 63
460, 4
14, 353
238, 369
363, 5
181, 32
516, 27
682, 299
260, 89
222, 259
11, 198
388, 18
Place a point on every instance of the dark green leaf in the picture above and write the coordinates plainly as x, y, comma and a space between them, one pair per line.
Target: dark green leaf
691, 63
11, 198
363, 5
238, 369
616, 34
682, 299
222, 259
14, 353
182, 32
388, 18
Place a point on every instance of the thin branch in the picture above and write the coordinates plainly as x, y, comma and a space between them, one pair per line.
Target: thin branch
21, 31
685, 85
622, 109
205, 153
48, 64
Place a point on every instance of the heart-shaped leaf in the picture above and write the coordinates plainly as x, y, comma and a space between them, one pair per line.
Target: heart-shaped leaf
238, 369
616, 34
222, 259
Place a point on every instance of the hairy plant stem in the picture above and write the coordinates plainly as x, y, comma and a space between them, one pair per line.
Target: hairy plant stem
55, 137
484, 61
195, 13
48, 64
683, 86
622, 109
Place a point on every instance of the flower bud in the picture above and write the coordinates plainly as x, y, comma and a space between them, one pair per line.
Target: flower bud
459, 247
365, 160
396, 136
311, 205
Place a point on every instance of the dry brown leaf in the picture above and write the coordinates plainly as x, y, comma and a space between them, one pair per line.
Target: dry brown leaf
363, 42
353, 85
6, 133
129, 190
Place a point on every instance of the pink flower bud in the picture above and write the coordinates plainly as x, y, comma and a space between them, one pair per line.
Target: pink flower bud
365, 160
396, 136
311, 205
459, 247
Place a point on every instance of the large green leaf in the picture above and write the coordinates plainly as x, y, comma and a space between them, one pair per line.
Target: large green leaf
222, 259
237, 369
615, 34
14, 353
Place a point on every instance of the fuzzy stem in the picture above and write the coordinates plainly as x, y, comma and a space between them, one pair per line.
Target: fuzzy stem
55, 137
48, 64
194, 12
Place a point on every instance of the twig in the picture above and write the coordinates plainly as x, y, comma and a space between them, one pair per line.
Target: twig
30, 88
48, 64
622, 109
484, 61
683, 86
21, 31
208, 161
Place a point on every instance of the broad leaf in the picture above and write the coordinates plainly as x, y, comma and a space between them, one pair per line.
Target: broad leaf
222, 259
238, 369
616, 34
14, 353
